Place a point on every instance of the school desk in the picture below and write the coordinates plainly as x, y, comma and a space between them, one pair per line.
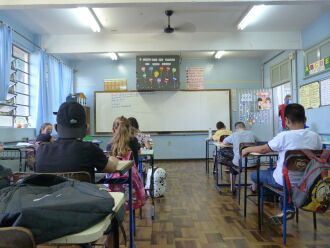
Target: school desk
149, 156
14, 152
122, 167
97, 231
207, 155
258, 156
326, 145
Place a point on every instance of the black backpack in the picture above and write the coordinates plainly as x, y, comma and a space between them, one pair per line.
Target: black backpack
52, 206
5, 174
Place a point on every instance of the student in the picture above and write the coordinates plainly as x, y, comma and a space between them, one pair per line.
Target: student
45, 133
241, 135
295, 139
143, 139
281, 109
221, 130
69, 153
122, 140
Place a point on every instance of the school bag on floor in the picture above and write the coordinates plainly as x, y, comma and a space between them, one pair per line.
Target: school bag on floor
139, 198
226, 155
52, 206
312, 193
160, 183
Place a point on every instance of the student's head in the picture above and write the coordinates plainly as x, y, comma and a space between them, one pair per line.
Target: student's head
46, 128
121, 136
268, 100
294, 114
134, 125
239, 125
288, 99
71, 121
220, 125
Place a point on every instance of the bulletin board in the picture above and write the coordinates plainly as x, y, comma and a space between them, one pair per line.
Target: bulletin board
157, 72
325, 92
310, 95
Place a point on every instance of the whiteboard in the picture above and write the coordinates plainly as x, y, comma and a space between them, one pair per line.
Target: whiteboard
168, 111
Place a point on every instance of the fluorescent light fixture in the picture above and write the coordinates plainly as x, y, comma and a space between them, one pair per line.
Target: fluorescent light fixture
219, 54
113, 56
87, 15
251, 16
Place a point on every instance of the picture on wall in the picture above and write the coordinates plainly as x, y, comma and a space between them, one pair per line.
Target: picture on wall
157, 72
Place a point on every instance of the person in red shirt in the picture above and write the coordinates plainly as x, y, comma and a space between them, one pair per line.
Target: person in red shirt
281, 109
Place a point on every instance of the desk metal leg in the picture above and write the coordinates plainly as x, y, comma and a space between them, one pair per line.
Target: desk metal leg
131, 216
207, 156
116, 232
152, 188
258, 184
245, 187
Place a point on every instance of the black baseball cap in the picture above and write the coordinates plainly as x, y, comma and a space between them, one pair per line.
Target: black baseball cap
71, 120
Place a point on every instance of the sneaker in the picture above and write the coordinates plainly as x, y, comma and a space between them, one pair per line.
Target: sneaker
278, 219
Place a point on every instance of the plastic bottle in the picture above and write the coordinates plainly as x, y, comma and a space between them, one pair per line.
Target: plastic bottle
210, 132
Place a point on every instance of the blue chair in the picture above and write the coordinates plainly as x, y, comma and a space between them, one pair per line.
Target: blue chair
295, 160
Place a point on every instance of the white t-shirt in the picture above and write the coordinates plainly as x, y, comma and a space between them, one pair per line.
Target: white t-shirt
292, 140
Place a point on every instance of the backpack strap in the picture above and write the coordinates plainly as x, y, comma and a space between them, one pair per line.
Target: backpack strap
324, 157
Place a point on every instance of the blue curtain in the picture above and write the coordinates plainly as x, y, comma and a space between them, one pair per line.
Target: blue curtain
41, 108
6, 39
55, 83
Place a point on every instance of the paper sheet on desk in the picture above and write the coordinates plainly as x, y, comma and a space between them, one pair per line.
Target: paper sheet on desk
22, 144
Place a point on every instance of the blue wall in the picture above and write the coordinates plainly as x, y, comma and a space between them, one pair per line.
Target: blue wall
319, 118
223, 74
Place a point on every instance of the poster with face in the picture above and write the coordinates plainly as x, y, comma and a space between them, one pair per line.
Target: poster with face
157, 72
264, 101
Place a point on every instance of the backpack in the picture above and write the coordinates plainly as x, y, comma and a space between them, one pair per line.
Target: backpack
225, 155
160, 183
139, 198
312, 192
52, 206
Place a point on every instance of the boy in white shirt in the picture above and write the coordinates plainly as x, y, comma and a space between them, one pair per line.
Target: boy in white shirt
295, 139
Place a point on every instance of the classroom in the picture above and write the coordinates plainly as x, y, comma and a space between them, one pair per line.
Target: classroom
164, 124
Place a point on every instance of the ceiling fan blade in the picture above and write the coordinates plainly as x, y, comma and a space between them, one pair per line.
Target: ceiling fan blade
186, 27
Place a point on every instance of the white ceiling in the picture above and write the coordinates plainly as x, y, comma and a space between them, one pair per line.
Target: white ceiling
152, 19
140, 28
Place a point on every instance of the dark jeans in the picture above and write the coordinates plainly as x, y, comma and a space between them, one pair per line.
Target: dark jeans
266, 177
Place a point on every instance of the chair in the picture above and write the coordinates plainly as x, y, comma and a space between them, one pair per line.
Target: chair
241, 168
295, 160
221, 139
16, 237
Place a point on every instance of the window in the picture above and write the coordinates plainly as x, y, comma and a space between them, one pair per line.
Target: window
17, 109
281, 73
314, 54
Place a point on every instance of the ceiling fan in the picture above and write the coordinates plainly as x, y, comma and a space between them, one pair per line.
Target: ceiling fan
185, 27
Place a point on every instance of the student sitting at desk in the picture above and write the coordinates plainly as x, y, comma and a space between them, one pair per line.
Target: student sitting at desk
143, 139
122, 140
295, 139
221, 130
45, 133
241, 135
69, 153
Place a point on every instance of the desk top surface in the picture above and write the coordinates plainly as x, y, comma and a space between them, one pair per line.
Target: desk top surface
221, 145
147, 152
95, 232
124, 165
256, 154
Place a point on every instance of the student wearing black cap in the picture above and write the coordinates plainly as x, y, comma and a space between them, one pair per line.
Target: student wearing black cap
69, 153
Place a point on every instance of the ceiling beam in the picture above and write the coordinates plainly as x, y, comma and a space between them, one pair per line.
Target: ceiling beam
10, 4
202, 41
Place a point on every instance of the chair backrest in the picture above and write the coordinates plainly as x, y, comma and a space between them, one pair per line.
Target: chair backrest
296, 160
245, 145
81, 176
222, 137
16, 237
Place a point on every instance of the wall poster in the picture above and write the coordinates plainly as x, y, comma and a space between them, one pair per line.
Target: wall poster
157, 72
310, 95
